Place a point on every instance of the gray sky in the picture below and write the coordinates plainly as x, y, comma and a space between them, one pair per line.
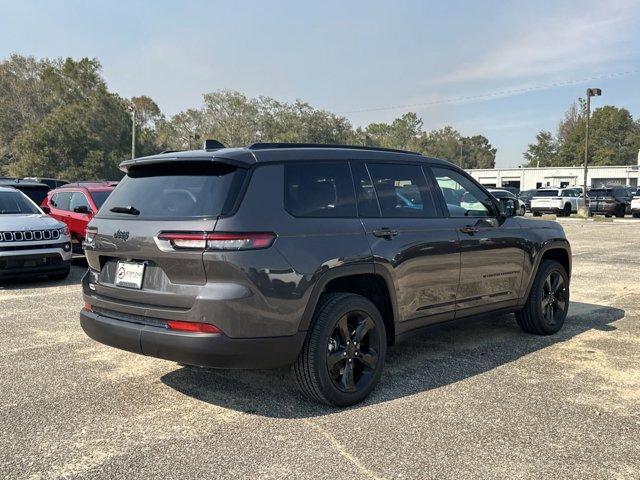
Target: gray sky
356, 58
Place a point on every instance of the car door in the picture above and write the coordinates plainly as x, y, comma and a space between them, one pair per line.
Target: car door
79, 214
60, 206
411, 241
492, 245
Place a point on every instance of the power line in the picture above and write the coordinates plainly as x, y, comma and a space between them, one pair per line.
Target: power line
487, 96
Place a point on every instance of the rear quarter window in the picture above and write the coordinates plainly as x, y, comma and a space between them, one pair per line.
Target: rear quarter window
319, 190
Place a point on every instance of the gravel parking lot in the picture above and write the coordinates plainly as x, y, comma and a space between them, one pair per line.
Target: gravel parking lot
472, 399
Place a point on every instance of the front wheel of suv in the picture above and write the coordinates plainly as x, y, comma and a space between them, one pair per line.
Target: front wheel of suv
548, 302
343, 355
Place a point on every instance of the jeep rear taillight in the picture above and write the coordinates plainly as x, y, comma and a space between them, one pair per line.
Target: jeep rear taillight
224, 241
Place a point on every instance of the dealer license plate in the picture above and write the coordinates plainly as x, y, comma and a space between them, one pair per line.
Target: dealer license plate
129, 274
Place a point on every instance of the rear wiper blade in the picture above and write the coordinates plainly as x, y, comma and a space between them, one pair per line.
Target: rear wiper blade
128, 209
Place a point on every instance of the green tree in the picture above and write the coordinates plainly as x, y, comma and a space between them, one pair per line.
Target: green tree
445, 143
544, 152
614, 139
403, 133
85, 140
478, 152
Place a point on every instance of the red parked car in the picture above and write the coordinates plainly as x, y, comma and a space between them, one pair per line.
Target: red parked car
76, 204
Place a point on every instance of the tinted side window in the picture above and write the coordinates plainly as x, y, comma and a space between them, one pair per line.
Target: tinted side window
462, 197
78, 200
63, 200
402, 190
319, 190
367, 201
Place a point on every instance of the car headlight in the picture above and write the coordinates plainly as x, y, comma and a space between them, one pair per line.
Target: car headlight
64, 231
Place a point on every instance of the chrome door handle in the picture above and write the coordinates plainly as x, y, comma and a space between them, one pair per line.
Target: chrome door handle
385, 233
469, 229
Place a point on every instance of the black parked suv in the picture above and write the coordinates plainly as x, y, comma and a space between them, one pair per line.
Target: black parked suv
314, 256
614, 200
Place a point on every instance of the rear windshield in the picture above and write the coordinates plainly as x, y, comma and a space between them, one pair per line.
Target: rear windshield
15, 203
178, 190
546, 193
100, 196
600, 192
35, 193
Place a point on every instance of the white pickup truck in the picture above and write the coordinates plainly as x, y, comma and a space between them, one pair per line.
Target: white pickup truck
561, 201
635, 204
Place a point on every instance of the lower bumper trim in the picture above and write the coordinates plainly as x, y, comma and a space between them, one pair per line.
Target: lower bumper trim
201, 349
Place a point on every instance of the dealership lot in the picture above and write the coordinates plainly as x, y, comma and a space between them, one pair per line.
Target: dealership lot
473, 399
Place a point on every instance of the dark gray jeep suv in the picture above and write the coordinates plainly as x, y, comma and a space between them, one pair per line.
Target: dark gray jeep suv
314, 256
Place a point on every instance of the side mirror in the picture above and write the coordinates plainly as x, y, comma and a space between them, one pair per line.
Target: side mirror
509, 207
46, 210
81, 209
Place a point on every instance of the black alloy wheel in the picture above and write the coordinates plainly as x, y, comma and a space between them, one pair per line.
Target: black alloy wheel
352, 352
547, 306
343, 355
554, 299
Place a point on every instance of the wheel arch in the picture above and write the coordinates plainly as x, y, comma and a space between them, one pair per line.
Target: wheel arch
558, 250
362, 280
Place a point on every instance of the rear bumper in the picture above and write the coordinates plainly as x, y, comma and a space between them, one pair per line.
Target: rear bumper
207, 350
545, 210
604, 209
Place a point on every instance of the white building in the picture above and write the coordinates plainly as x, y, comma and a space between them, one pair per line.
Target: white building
530, 178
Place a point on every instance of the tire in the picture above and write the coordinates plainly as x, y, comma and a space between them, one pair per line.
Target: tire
636, 215
537, 214
566, 211
533, 318
325, 344
620, 211
523, 211
60, 275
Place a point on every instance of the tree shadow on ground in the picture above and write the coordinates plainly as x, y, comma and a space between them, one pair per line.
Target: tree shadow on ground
442, 355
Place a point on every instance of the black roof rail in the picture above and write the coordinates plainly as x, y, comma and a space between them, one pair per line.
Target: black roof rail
272, 145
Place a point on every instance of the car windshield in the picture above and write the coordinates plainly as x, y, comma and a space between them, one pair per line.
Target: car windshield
99, 196
178, 190
546, 193
15, 203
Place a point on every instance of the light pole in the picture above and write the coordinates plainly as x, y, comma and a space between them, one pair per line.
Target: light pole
132, 108
591, 92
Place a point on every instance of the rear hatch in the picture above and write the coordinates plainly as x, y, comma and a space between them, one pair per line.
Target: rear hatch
546, 199
128, 259
601, 199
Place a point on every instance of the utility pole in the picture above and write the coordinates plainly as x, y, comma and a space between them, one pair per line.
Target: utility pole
591, 92
133, 130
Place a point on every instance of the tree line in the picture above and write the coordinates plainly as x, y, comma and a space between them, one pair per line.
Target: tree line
59, 119
614, 139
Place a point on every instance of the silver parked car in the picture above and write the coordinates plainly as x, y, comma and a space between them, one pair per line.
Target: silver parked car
31, 242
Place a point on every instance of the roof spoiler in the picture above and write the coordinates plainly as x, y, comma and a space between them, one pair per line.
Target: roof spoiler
210, 144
